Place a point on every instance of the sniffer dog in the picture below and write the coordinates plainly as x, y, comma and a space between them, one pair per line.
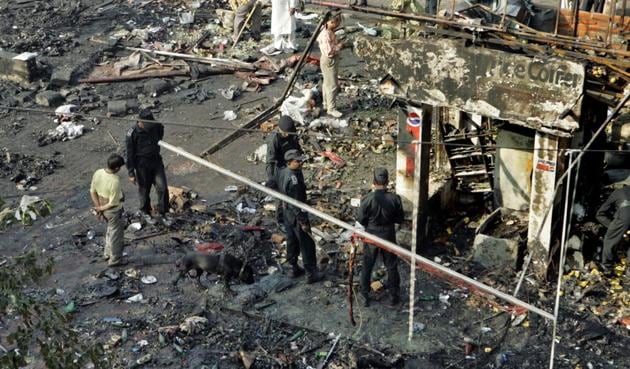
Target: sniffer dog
227, 266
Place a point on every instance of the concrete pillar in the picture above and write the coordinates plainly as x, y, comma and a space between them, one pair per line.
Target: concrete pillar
412, 165
542, 203
513, 167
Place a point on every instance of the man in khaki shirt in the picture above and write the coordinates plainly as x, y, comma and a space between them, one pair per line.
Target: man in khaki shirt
107, 197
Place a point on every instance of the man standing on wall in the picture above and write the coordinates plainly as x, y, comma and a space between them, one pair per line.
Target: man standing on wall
329, 64
107, 198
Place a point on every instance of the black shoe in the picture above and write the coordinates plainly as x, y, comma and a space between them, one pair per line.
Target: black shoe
392, 301
364, 299
297, 272
314, 277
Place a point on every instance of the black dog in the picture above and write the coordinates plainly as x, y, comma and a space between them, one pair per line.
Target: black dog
220, 263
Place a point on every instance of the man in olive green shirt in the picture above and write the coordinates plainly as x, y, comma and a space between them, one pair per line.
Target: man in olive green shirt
107, 197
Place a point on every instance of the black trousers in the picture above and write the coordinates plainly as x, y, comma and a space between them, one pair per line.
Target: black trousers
370, 254
614, 234
298, 242
431, 7
150, 172
279, 204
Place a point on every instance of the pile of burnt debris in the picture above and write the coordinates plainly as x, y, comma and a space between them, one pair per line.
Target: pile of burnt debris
26, 170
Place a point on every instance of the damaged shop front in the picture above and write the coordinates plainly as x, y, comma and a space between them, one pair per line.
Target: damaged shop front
503, 120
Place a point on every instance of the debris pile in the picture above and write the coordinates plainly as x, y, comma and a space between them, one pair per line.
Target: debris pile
26, 170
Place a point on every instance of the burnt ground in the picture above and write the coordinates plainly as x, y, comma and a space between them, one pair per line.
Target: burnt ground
279, 321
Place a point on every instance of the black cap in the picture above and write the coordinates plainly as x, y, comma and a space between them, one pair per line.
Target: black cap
287, 124
145, 114
381, 176
293, 154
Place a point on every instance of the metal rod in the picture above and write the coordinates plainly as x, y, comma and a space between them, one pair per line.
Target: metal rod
576, 15
302, 61
532, 35
273, 110
623, 17
384, 244
555, 32
414, 233
556, 308
611, 19
228, 63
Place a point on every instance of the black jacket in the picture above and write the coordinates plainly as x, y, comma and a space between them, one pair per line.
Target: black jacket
291, 183
380, 211
276, 147
620, 198
143, 143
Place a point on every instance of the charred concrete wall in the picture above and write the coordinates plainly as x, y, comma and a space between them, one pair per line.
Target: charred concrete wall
440, 72
513, 167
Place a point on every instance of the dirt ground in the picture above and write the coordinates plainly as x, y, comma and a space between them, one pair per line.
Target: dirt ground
280, 321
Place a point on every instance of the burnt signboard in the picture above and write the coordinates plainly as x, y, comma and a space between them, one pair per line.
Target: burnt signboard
498, 84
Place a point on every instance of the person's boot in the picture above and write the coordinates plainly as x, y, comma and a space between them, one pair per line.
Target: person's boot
314, 277
392, 301
335, 113
296, 271
365, 299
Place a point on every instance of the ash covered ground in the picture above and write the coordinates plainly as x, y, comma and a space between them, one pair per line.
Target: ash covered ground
277, 322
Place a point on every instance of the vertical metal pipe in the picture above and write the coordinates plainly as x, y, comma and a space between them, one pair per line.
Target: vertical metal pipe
555, 32
623, 17
611, 19
576, 14
565, 223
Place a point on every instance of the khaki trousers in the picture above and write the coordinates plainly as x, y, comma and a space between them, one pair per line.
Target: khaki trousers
114, 237
330, 70
241, 14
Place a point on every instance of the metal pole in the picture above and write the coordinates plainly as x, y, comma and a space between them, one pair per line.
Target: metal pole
611, 19
582, 151
566, 220
384, 244
555, 32
576, 12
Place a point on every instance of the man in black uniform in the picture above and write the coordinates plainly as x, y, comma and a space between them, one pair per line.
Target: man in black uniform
278, 143
298, 228
145, 163
378, 213
618, 225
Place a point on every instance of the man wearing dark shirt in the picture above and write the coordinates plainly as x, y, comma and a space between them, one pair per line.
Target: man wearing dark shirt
378, 213
278, 143
618, 225
298, 227
145, 163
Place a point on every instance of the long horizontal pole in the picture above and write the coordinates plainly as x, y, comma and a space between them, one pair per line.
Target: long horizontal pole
387, 245
533, 35
228, 63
